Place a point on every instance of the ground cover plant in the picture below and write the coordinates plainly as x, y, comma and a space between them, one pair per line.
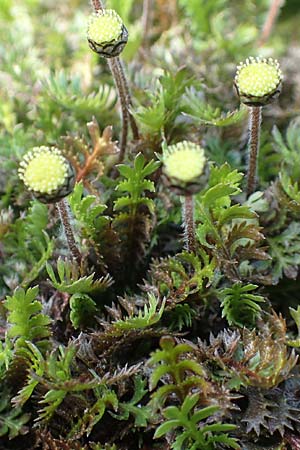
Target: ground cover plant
149, 225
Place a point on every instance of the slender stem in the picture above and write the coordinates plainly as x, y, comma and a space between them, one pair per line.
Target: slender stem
97, 5
189, 224
125, 84
114, 67
273, 12
147, 4
121, 82
255, 125
63, 210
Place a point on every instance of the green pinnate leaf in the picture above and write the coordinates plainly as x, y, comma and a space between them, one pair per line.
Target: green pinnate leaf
70, 281
239, 305
27, 323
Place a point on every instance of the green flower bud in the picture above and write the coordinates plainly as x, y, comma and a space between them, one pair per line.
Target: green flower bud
183, 167
47, 174
107, 34
258, 81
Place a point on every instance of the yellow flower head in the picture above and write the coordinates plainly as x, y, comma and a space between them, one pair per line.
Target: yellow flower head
46, 172
106, 33
257, 80
105, 26
184, 161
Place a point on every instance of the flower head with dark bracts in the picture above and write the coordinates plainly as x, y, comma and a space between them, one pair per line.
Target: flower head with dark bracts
258, 81
47, 174
107, 34
183, 167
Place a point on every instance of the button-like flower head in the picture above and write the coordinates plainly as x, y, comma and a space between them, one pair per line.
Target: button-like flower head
183, 167
107, 34
258, 81
47, 174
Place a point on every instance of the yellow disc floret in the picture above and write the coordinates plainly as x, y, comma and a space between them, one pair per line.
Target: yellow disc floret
104, 26
184, 161
258, 77
43, 170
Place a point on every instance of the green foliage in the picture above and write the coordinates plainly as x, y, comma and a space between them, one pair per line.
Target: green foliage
185, 417
97, 381
134, 223
104, 398
239, 306
290, 188
70, 281
295, 313
145, 318
35, 370
204, 114
83, 310
30, 254
12, 420
27, 323
288, 149
58, 372
135, 185
181, 317
176, 361
133, 407
229, 230
66, 91
88, 212
201, 13
166, 104
285, 252
6, 356
178, 278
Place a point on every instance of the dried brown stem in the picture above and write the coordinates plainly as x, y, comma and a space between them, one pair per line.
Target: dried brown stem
273, 12
189, 224
255, 125
63, 210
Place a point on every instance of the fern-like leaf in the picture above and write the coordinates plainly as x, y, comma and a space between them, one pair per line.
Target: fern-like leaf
193, 436
176, 362
27, 323
70, 281
133, 407
12, 420
20, 247
239, 306
134, 222
147, 317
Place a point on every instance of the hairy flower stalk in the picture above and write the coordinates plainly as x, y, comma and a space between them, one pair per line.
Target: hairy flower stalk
50, 177
258, 82
107, 36
189, 223
254, 140
63, 210
183, 168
